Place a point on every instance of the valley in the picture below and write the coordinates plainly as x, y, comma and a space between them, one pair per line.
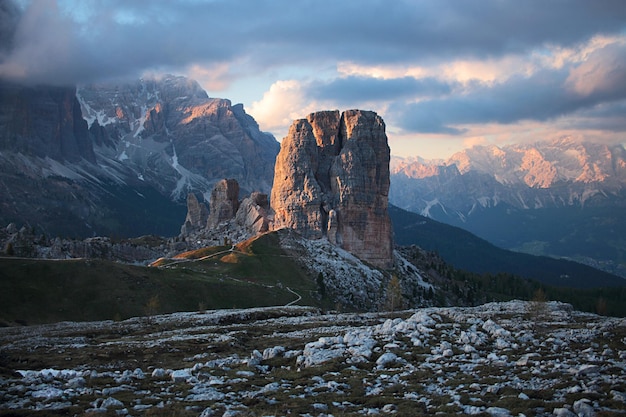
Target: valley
561, 198
217, 208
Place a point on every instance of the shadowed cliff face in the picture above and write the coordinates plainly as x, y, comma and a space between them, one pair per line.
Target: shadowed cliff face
43, 122
332, 179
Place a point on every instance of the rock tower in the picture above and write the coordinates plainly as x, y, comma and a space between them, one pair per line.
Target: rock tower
332, 180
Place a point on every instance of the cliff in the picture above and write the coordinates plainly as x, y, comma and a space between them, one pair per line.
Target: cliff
331, 180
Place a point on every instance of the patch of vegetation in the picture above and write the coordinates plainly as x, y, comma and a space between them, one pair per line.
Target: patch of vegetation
43, 291
466, 251
462, 287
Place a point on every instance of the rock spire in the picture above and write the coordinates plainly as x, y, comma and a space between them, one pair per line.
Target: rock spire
331, 179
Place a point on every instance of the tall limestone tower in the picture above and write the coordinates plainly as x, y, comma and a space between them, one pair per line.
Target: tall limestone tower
332, 180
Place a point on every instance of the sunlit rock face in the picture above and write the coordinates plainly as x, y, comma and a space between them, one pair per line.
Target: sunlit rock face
197, 215
224, 202
253, 213
332, 179
178, 138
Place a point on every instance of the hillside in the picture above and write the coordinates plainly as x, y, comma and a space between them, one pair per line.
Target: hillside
466, 251
561, 198
46, 291
273, 269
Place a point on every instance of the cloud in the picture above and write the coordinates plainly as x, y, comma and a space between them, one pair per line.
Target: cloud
283, 103
602, 75
355, 89
9, 19
437, 68
546, 94
64, 40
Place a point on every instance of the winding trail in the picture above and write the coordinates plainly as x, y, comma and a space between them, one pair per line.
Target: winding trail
296, 294
231, 250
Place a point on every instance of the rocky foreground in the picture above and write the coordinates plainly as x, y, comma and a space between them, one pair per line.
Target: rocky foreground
499, 359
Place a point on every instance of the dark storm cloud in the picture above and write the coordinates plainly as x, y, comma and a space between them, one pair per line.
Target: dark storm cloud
356, 89
603, 117
546, 95
123, 38
9, 18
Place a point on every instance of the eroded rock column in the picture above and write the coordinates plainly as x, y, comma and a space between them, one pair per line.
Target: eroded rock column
332, 179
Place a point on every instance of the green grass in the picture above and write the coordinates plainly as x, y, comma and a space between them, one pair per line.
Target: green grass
43, 291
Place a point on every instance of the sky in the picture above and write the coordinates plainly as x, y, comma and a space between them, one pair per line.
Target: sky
444, 74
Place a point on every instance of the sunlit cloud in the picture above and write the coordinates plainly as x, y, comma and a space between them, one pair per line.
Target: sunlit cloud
603, 72
283, 103
213, 77
443, 74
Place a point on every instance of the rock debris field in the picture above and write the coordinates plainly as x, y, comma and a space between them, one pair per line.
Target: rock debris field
499, 359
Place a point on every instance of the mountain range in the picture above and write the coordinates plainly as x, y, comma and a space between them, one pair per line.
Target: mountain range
120, 159
561, 198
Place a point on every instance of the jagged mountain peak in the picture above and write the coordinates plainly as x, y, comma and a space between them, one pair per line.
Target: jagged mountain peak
158, 136
545, 197
178, 138
537, 165
177, 85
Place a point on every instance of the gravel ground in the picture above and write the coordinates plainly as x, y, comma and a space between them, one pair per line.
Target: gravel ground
499, 359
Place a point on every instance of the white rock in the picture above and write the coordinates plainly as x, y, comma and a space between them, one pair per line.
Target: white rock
138, 374
583, 408
563, 412
48, 393
390, 408
588, 369
255, 358
498, 412
472, 410
469, 349
204, 393
207, 412
495, 330
318, 356
502, 343
78, 382
618, 396
158, 373
180, 375
273, 352
386, 359
112, 403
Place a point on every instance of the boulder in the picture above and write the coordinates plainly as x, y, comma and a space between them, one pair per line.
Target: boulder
224, 202
197, 215
253, 213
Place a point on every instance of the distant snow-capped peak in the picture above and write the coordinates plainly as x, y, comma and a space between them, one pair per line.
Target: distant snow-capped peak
538, 165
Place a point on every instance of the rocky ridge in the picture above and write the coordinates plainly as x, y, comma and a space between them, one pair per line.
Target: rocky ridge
178, 139
559, 173
332, 180
96, 160
499, 359
561, 198
27, 243
228, 219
